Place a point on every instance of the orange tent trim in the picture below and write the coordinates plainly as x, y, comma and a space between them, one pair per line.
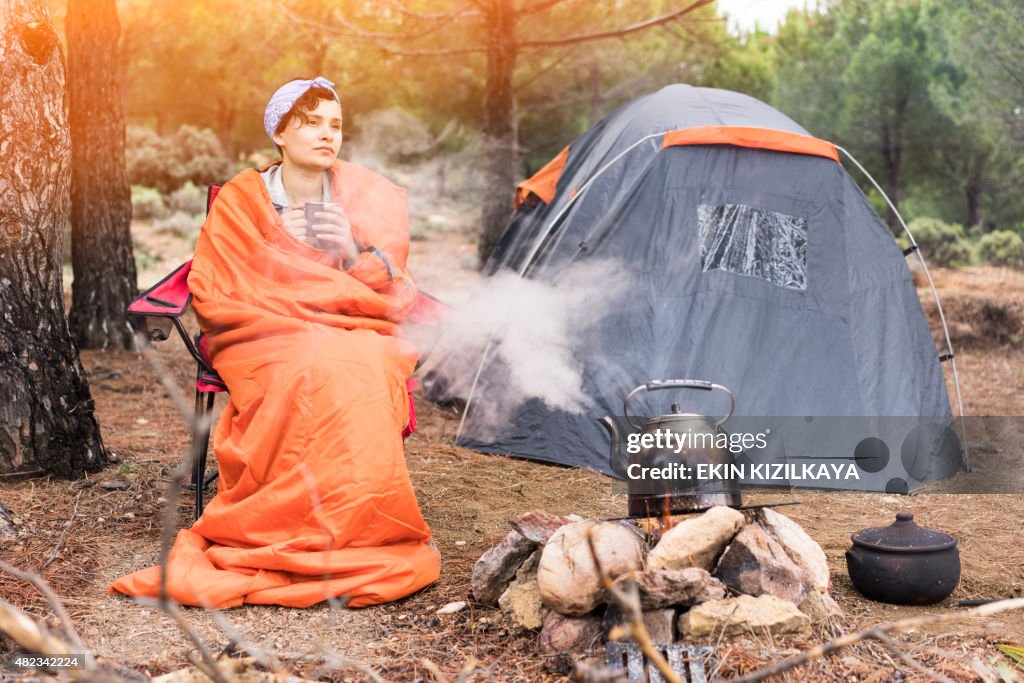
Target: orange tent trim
543, 182
759, 138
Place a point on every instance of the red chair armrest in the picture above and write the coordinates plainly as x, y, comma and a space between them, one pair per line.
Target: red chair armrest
168, 298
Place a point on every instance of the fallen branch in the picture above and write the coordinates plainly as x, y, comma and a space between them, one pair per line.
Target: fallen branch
58, 610
878, 633
24, 630
265, 659
628, 600
209, 665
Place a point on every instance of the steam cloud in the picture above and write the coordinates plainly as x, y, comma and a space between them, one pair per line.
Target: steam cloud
539, 335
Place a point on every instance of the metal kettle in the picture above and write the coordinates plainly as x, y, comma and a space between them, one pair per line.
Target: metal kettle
675, 463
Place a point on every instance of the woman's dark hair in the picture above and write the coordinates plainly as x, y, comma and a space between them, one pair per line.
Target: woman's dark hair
309, 101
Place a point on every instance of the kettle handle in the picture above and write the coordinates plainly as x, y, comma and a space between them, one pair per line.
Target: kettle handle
677, 384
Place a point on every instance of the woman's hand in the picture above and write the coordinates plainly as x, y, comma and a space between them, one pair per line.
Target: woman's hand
294, 220
335, 232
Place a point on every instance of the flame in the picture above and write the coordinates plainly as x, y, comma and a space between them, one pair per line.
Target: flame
666, 514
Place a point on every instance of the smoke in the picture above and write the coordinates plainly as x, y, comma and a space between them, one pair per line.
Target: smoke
536, 336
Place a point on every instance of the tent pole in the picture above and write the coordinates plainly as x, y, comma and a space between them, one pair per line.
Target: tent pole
582, 191
938, 303
533, 252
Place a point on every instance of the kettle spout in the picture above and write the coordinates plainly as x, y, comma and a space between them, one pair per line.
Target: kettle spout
616, 458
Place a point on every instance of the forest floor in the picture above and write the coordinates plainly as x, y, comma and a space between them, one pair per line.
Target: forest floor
467, 497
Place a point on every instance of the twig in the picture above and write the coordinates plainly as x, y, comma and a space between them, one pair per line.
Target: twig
908, 660
467, 670
266, 659
60, 541
209, 665
721, 634
169, 517
334, 661
54, 601
435, 670
873, 634
628, 599
24, 630
22, 474
179, 473
334, 603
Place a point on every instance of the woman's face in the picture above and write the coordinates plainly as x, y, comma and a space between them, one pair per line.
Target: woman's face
315, 143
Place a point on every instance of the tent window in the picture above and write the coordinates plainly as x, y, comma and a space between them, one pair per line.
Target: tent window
757, 242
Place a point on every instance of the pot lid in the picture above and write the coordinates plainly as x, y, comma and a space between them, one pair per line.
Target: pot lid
903, 536
682, 418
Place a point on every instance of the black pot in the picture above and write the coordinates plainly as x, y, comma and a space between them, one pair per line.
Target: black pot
903, 563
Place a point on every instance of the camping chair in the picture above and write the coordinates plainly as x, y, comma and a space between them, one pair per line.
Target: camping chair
161, 308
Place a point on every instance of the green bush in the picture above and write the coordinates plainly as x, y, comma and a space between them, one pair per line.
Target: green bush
179, 223
202, 158
166, 163
1002, 248
188, 198
147, 203
150, 159
941, 243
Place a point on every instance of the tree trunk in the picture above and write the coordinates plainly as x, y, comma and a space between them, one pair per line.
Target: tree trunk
596, 94
973, 192
892, 157
46, 412
975, 189
226, 114
501, 166
101, 205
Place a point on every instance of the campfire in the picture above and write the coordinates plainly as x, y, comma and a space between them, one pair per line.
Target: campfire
724, 572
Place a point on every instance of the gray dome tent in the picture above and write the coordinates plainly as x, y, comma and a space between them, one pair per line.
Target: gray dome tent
758, 264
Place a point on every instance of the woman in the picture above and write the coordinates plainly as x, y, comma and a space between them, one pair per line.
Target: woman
314, 499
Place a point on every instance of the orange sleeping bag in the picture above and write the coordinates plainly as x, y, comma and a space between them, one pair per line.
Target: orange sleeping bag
314, 499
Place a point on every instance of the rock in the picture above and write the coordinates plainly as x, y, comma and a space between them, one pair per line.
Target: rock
569, 634
819, 606
539, 525
567, 577
594, 668
8, 527
743, 615
496, 567
521, 600
755, 564
800, 547
452, 607
696, 542
528, 569
683, 587
661, 625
